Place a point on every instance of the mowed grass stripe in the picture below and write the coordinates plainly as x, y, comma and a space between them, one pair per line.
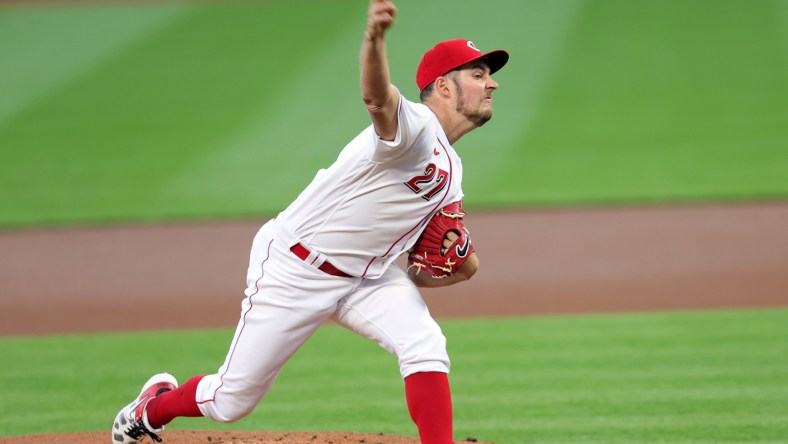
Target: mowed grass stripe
290, 133
659, 101
44, 49
230, 108
638, 378
106, 145
685, 377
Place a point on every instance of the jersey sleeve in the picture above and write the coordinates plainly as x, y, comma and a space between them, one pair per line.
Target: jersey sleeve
413, 120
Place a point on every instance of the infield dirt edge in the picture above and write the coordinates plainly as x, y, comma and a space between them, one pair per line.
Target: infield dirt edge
228, 437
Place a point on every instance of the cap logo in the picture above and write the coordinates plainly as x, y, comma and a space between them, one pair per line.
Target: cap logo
472, 46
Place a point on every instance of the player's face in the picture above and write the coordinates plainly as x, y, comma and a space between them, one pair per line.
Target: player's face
474, 93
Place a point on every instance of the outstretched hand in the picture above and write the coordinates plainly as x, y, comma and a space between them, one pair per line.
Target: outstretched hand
380, 17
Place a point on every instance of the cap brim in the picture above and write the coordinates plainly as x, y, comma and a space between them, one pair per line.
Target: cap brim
495, 59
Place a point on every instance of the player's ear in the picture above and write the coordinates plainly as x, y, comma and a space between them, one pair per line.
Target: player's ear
442, 87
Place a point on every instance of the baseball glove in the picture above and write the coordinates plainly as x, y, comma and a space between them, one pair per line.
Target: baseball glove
430, 256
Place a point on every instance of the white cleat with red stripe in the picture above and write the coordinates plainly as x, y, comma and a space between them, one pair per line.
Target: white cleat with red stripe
131, 425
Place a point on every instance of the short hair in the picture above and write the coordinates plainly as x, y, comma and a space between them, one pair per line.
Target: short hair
429, 89
426, 92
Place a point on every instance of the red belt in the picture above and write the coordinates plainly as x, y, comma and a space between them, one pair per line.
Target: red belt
302, 253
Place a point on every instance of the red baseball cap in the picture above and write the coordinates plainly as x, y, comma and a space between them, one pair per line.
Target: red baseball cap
445, 56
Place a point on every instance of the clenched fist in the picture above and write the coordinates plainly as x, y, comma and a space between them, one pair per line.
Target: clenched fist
380, 17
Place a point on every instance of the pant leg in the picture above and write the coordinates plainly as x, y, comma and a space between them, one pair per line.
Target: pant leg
286, 301
391, 312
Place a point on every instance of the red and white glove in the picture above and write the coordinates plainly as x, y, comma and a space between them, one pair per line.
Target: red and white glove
430, 256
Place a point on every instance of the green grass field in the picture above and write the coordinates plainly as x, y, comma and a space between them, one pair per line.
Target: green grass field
181, 111
684, 377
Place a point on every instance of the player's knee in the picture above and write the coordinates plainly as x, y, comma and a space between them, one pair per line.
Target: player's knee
232, 417
231, 410
229, 403
426, 355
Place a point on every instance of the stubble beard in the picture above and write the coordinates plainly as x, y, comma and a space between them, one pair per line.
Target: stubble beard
477, 117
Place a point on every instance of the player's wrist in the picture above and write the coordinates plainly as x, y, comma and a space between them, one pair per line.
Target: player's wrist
373, 36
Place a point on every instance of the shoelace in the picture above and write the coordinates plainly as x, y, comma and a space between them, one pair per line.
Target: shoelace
136, 429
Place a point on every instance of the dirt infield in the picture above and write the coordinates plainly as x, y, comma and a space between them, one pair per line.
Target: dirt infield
223, 437
532, 262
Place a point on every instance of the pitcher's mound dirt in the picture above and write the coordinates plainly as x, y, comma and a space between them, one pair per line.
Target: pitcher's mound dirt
227, 437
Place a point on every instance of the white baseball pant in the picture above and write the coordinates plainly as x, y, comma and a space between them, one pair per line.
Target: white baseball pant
287, 299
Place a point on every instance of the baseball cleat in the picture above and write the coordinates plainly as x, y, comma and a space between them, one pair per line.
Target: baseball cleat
131, 425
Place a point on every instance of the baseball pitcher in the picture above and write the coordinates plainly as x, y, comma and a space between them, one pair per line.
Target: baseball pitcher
395, 188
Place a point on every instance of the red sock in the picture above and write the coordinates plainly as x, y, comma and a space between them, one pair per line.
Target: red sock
169, 405
429, 403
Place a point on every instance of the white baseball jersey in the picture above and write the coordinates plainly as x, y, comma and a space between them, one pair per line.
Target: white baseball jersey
374, 201
358, 215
